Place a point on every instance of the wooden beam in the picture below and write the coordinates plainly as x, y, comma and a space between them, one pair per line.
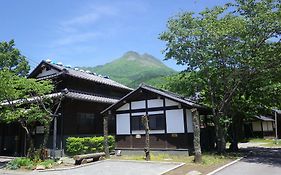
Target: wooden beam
105, 135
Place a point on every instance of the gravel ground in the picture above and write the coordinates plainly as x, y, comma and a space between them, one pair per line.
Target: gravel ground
115, 167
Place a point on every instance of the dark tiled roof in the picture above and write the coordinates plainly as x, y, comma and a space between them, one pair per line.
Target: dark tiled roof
171, 95
83, 75
31, 99
71, 95
92, 98
264, 118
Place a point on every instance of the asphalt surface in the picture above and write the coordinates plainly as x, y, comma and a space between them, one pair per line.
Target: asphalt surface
115, 167
260, 161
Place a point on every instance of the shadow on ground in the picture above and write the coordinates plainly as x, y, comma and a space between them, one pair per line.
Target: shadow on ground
269, 156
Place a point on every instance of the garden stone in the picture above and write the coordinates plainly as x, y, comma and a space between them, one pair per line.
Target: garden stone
67, 160
40, 167
193, 173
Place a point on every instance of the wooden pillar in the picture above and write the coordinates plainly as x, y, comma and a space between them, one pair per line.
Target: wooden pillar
105, 134
55, 137
276, 134
262, 129
61, 133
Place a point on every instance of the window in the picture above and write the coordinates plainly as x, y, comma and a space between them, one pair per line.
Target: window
136, 123
156, 122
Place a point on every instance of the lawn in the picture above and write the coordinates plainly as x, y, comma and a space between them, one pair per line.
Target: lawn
266, 142
210, 161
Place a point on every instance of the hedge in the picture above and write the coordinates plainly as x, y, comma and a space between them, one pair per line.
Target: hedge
84, 145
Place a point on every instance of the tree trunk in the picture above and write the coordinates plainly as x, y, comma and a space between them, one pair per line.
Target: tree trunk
43, 154
31, 150
105, 133
220, 134
234, 142
145, 123
196, 138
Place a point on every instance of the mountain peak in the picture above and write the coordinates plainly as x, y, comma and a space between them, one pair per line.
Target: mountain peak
133, 68
131, 55
145, 59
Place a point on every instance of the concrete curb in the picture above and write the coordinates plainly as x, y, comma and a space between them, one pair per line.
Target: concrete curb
172, 168
225, 166
70, 168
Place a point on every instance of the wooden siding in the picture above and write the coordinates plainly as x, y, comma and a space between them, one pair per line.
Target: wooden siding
167, 141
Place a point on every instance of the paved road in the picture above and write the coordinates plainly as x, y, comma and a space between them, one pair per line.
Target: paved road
261, 161
115, 167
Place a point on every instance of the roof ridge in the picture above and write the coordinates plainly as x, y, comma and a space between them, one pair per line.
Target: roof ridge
169, 92
91, 94
87, 76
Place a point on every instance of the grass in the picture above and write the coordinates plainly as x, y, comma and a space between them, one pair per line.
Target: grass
207, 158
210, 161
266, 142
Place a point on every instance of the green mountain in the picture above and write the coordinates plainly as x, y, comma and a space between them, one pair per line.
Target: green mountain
132, 69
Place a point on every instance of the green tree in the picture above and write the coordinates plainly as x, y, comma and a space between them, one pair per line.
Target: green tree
12, 59
23, 101
224, 49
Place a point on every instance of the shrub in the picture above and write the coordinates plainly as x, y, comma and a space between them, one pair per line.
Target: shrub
20, 162
28, 163
47, 163
84, 145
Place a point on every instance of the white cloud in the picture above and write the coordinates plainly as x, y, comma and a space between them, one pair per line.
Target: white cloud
86, 26
75, 38
93, 15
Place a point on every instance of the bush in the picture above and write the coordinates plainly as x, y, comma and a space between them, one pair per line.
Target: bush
47, 163
28, 163
84, 145
20, 162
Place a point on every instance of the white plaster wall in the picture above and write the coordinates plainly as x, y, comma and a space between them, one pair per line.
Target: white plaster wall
169, 102
150, 132
138, 104
264, 126
124, 107
155, 112
267, 126
189, 122
45, 73
122, 124
154, 103
256, 126
174, 120
138, 113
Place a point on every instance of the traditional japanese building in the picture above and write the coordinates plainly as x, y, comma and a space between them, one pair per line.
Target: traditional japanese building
85, 95
170, 120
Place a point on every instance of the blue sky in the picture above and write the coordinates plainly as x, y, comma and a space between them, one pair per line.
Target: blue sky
90, 32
